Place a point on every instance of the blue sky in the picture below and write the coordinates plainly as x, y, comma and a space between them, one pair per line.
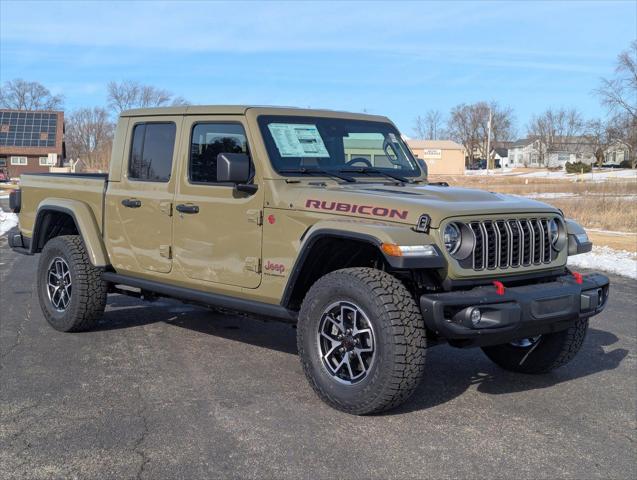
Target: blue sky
392, 58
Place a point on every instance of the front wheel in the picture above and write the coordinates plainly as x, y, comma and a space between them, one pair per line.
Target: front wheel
542, 353
71, 291
361, 340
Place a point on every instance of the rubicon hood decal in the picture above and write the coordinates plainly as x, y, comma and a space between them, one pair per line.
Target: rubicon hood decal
371, 210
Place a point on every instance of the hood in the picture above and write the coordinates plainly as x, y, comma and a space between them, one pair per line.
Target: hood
405, 204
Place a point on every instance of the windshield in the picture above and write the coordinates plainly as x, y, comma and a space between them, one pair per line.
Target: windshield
298, 145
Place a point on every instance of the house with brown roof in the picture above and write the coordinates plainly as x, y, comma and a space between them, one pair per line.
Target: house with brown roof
30, 141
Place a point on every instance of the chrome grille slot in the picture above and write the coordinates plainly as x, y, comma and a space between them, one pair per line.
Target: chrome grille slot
505, 244
516, 243
509, 243
527, 242
492, 244
538, 237
478, 250
546, 241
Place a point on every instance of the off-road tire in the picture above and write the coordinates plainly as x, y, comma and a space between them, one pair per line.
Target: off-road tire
551, 351
400, 340
88, 296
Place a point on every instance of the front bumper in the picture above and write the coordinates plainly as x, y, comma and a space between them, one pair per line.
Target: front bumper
518, 312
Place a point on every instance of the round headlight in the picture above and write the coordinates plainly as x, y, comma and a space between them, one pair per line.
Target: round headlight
451, 237
554, 231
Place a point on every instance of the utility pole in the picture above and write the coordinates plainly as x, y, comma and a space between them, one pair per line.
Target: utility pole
488, 140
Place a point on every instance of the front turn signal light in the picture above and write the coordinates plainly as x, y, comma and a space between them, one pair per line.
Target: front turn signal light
394, 250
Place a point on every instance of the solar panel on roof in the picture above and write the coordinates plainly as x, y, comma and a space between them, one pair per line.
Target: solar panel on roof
27, 129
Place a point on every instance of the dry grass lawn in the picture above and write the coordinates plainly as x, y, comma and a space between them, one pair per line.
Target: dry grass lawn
610, 205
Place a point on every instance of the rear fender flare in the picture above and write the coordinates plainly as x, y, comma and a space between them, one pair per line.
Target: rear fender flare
85, 223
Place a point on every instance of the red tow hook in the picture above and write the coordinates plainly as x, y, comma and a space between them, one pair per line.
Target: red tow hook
499, 287
578, 278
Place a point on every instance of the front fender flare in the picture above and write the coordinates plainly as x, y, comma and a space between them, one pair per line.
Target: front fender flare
372, 233
85, 223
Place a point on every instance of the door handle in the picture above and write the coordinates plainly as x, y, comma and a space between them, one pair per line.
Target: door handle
132, 203
183, 208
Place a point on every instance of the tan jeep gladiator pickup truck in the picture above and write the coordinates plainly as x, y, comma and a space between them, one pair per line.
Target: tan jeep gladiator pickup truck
316, 217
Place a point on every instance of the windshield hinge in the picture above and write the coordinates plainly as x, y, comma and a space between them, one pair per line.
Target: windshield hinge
166, 207
255, 216
253, 264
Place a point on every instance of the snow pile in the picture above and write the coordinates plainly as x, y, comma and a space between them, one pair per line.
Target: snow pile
7, 221
620, 262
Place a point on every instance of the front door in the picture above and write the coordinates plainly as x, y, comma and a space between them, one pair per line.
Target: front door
140, 204
217, 229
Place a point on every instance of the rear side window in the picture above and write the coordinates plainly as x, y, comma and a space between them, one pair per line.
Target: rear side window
151, 156
208, 141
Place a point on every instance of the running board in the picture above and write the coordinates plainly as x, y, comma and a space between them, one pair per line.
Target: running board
206, 298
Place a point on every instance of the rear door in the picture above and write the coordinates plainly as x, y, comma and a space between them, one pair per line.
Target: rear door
217, 229
140, 204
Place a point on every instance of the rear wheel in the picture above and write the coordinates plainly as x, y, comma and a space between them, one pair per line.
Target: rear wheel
71, 291
540, 354
361, 340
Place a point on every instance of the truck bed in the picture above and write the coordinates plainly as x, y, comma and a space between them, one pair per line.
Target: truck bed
37, 187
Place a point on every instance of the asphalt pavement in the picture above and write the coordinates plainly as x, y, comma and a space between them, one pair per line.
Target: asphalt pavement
168, 390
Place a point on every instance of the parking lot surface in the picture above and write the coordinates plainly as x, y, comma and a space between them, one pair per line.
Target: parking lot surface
168, 390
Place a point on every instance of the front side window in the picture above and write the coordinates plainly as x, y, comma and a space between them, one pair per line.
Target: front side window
151, 155
19, 161
335, 144
209, 140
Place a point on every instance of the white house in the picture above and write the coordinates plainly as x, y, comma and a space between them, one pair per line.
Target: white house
532, 152
501, 157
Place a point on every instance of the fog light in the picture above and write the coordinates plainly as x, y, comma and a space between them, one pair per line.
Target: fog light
475, 316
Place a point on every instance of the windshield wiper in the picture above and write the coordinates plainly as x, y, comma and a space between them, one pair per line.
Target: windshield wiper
318, 171
375, 171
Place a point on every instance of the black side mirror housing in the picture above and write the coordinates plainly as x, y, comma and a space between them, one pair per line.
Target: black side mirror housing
235, 168
423, 166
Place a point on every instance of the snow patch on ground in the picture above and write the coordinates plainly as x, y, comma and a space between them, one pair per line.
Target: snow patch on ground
550, 195
7, 221
609, 232
596, 176
573, 195
620, 262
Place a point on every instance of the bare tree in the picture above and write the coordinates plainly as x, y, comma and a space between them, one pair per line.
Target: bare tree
555, 128
469, 125
463, 126
600, 136
619, 94
430, 126
623, 128
130, 94
89, 136
20, 94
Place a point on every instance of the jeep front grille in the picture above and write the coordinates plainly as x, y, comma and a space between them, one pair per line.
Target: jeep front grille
509, 243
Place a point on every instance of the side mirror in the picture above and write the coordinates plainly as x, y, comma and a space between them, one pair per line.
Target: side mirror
423, 167
235, 168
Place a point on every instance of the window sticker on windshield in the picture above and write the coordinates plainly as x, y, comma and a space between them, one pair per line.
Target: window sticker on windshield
392, 137
298, 140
